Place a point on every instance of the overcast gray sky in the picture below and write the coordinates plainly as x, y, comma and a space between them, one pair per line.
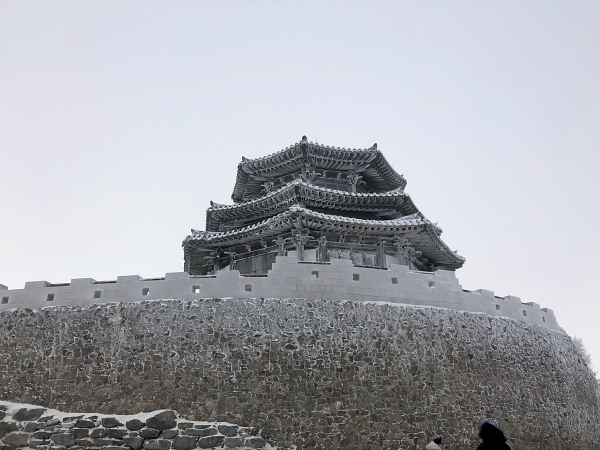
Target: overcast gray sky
121, 120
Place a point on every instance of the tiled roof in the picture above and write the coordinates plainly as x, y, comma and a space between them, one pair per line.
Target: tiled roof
420, 232
370, 163
312, 196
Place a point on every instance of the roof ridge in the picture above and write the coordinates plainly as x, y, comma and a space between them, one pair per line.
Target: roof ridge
245, 160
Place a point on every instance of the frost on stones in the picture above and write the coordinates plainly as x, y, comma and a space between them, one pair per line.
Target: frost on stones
317, 203
22, 427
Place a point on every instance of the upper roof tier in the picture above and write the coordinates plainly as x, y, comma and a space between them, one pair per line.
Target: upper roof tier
387, 205
304, 156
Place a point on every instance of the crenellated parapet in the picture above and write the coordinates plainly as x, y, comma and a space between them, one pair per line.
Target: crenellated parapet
337, 280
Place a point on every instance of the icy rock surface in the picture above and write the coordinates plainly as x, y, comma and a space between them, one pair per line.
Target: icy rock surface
23, 426
311, 374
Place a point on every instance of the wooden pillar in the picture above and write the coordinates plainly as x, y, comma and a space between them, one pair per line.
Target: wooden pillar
322, 256
299, 239
280, 246
381, 253
400, 243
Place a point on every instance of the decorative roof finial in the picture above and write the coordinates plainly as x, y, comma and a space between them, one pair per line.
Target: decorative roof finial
244, 158
374, 145
304, 138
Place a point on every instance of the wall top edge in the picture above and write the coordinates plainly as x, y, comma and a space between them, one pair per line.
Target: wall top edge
288, 278
184, 275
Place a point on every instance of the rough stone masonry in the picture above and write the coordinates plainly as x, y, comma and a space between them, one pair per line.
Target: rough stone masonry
29, 426
312, 374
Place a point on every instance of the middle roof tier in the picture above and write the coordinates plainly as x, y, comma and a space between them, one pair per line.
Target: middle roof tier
373, 206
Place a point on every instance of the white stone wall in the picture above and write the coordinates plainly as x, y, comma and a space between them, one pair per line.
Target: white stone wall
338, 280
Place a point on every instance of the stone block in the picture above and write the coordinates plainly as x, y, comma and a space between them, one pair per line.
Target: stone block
341, 263
85, 423
228, 274
513, 299
34, 426
96, 433
128, 279
285, 259
445, 273
42, 434
63, 439
77, 282
485, 292
176, 276
16, 438
157, 444
7, 427
209, 431
135, 442
23, 414
169, 434
36, 284
77, 433
110, 422
135, 424
185, 442
255, 442
116, 433
163, 420
210, 441
150, 433
398, 268
233, 442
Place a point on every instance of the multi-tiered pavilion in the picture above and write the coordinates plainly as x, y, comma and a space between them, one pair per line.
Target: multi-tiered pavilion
317, 203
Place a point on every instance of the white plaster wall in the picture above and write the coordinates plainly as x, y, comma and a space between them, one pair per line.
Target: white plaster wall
310, 254
290, 279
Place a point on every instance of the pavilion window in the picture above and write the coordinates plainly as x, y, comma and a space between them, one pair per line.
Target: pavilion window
256, 265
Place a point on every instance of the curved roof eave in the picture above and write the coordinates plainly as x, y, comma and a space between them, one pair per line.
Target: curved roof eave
263, 202
379, 172
286, 221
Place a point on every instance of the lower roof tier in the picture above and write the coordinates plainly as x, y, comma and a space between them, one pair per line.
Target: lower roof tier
419, 231
388, 205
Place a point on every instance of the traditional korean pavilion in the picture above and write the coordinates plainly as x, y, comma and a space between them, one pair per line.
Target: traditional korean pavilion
317, 203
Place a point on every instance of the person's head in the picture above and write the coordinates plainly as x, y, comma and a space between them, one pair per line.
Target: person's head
437, 441
491, 433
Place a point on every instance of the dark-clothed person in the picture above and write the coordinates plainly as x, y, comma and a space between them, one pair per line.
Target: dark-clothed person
493, 438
